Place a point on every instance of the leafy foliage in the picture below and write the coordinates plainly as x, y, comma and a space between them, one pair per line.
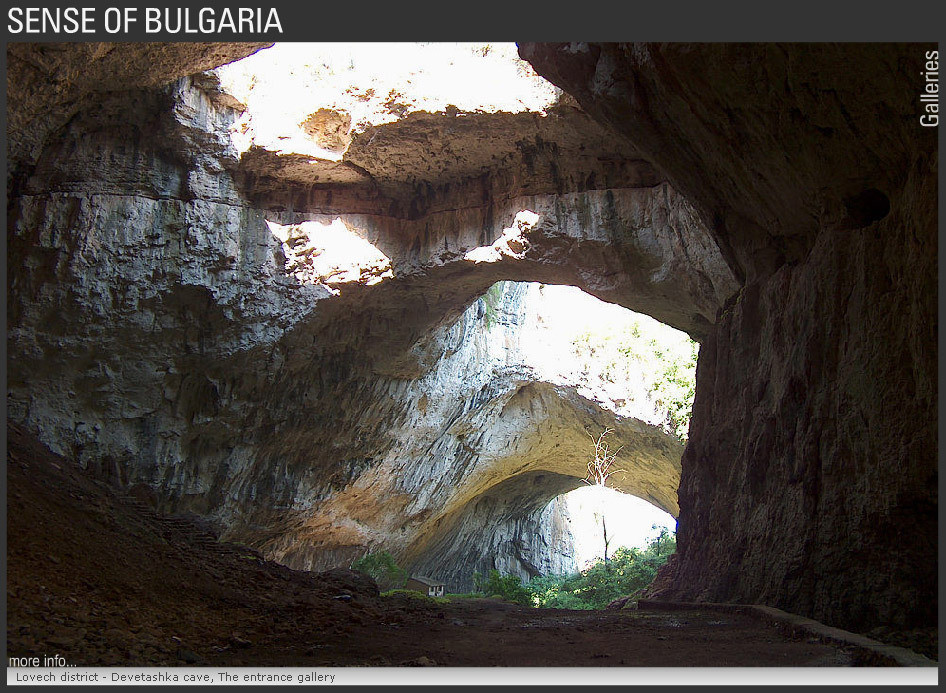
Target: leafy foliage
675, 387
666, 362
382, 567
628, 571
507, 587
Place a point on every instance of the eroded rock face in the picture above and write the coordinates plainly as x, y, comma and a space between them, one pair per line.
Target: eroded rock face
49, 83
511, 527
170, 320
176, 318
810, 478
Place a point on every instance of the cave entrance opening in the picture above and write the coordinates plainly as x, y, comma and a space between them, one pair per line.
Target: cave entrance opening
625, 362
633, 375
603, 520
582, 364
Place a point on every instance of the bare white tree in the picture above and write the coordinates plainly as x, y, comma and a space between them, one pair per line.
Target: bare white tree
600, 469
600, 466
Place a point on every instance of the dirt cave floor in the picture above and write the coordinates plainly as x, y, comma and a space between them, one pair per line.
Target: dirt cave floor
98, 577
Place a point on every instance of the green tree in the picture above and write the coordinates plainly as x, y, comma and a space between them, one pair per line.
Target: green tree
382, 567
628, 571
508, 587
666, 360
674, 388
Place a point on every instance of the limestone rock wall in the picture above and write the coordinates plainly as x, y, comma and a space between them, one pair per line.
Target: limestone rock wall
464, 460
47, 84
810, 478
174, 320
512, 528
177, 317
835, 462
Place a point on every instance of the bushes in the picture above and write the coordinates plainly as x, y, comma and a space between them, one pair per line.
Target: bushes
382, 567
627, 572
507, 587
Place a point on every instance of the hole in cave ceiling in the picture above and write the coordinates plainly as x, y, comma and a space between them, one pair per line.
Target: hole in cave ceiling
311, 98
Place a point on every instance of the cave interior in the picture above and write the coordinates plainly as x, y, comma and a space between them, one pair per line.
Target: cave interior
314, 344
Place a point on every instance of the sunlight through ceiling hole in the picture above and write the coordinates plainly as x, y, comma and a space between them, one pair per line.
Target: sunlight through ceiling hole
330, 253
513, 242
311, 98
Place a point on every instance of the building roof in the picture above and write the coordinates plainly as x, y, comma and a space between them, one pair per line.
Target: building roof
430, 582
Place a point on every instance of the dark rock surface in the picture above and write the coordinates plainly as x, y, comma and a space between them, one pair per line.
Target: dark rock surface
810, 479
167, 600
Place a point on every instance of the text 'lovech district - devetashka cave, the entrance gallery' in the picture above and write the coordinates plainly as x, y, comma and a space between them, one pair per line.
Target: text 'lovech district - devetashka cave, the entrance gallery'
609, 355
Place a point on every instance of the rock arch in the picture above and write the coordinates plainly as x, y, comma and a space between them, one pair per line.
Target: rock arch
152, 320
215, 349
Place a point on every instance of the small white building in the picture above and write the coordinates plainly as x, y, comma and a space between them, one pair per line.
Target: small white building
425, 585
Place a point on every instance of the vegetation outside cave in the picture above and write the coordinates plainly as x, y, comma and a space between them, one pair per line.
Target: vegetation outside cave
644, 348
630, 362
636, 366
626, 573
